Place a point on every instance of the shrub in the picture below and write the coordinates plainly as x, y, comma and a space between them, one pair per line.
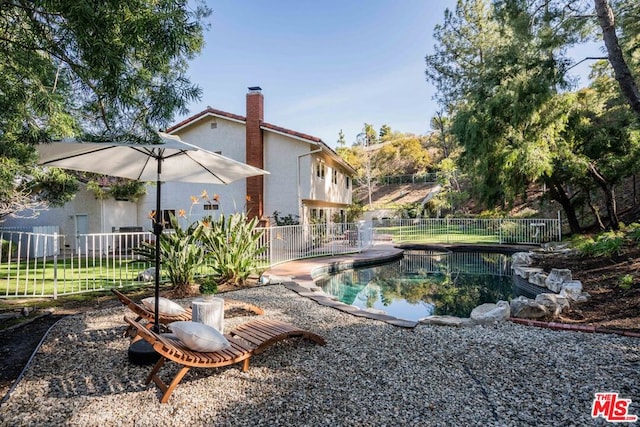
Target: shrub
233, 247
605, 244
4, 250
180, 253
625, 282
208, 286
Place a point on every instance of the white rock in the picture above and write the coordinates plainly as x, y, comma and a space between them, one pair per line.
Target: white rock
147, 275
525, 272
538, 279
490, 313
556, 278
526, 308
554, 303
446, 321
521, 258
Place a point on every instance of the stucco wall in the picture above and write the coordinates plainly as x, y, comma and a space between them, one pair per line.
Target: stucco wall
281, 185
101, 216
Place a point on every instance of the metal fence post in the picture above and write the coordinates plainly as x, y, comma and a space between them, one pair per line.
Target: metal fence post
559, 227
55, 265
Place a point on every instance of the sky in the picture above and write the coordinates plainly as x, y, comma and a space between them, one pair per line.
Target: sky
323, 66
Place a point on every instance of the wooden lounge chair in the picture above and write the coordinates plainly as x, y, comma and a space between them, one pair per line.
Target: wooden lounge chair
143, 313
246, 340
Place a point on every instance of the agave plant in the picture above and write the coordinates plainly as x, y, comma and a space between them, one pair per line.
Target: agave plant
181, 254
232, 247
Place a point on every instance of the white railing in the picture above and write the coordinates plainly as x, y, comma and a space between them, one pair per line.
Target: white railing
293, 242
471, 230
48, 265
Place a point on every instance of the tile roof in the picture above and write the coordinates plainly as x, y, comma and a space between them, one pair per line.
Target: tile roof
237, 117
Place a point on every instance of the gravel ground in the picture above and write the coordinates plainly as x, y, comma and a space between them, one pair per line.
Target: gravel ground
369, 373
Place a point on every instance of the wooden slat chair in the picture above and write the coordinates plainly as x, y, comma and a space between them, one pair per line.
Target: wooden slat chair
143, 313
246, 340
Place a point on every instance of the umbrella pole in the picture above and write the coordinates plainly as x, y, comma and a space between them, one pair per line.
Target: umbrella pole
157, 230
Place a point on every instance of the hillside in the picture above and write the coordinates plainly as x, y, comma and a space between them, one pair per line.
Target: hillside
387, 198
387, 195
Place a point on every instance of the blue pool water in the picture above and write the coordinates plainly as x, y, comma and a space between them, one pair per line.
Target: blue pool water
425, 283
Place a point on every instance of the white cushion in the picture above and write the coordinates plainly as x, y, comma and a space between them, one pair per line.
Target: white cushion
199, 337
165, 306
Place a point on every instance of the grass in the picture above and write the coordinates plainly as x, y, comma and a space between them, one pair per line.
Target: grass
404, 234
38, 278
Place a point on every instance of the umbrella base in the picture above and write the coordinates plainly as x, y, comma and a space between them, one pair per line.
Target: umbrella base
142, 353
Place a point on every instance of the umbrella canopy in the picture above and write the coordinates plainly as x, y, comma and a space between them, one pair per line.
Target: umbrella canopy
179, 161
171, 160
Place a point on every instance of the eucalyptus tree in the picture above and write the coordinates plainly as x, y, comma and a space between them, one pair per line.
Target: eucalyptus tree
95, 70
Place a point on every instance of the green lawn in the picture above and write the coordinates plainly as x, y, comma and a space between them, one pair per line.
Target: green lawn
72, 275
442, 234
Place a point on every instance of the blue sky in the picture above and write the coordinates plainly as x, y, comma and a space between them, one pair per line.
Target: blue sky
323, 65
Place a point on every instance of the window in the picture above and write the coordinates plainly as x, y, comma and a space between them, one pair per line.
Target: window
346, 181
211, 206
335, 177
320, 169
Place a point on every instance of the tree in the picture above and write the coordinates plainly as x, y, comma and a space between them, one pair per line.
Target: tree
623, 74
402, 155
441, 125
385, 132
95, 70
342, 142
498, 67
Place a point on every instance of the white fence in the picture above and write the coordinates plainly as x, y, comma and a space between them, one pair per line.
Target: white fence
47, 265
95, 262
471, 230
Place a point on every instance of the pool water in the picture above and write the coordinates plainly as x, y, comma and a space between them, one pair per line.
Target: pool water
425, 283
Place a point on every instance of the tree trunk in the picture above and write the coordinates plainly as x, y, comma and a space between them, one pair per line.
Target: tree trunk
559, 195
609, 196
594, 210
623, 74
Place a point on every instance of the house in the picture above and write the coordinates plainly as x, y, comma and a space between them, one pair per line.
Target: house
307, 179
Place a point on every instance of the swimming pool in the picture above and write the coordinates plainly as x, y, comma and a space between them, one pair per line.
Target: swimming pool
425, 283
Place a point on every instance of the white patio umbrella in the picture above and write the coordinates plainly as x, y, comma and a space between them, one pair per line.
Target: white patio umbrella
171, 160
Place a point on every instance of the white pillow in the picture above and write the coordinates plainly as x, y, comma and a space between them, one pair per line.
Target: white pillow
199, 337
165, 306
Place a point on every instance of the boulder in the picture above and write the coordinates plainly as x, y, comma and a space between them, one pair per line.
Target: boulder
572, 286
525, 272
556, 278
538, 279
147, 275
521, 258
490, 313
573, 291
554, 303
445, 321
526, 308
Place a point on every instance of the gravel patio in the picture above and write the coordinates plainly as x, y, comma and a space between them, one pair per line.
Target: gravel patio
369, 373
